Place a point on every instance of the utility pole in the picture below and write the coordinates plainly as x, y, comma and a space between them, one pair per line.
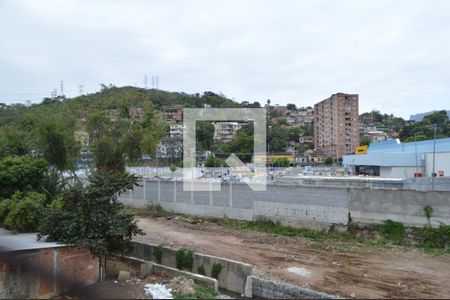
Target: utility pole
434, 156
415, 146
145, 81
61, 88
80, 89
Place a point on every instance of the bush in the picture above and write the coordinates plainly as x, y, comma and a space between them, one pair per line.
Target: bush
394, 231
158, 253
184, 258
201, 292
21, 174
215, 271
352, 228
5, 208
25, 213
328, 161
282, 162
437, 237
201, 270
156, 210
213, 162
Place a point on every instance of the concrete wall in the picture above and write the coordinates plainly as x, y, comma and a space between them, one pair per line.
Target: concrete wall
232, 277
406, 206
142, 268
41, 273
300, 205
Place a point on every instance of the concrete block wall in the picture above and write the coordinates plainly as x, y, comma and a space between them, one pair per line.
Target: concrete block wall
270, 289
309, 205
232, 277
406, 206
49, 267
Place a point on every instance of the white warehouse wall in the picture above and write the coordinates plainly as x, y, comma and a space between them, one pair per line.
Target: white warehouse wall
442, 163
398, 172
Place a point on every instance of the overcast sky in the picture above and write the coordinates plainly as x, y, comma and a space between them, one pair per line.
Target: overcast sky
394, 54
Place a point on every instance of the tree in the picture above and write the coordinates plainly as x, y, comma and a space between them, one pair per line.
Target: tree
255, 104
424, 129
291, 107
281, 162
242, 144
204, 135
59, 148
109, 155
22, 174
13, 141
92, 216
125, 139
365, 141
276, 138
328, 161
213, 162
22, 213
295, 133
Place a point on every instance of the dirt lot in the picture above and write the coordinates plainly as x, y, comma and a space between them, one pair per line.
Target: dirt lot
334, 267
111, 289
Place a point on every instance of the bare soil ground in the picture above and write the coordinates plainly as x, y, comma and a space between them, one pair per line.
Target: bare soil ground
111, 289
349, 270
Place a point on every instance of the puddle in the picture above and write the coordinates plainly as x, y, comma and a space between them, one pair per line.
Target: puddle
299, 271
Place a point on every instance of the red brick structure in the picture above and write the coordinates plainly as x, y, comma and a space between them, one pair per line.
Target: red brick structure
43, 273
336, 125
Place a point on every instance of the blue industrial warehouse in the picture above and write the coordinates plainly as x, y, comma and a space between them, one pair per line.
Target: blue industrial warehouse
394, 159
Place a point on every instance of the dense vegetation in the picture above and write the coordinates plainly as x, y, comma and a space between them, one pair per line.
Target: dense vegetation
416, 131
24, 129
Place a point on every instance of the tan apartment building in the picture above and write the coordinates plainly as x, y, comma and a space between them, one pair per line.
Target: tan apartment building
336, 125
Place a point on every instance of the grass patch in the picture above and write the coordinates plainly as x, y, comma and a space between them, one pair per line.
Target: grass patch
269, 226
201, 292
394, 231
184, 258
150, 210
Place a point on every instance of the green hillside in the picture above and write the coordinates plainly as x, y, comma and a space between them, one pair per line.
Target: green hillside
111, 97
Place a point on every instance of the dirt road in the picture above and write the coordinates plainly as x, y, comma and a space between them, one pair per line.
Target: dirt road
334, 267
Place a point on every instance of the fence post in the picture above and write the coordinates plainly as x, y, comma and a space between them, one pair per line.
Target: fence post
175, 191
144, 194
231, 194
210, 194
159, 191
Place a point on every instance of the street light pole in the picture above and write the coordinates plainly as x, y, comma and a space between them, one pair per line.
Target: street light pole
434, 156
415, 146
